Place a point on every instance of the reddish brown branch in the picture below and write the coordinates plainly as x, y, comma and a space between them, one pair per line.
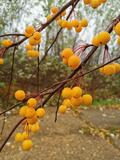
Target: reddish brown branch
12, 34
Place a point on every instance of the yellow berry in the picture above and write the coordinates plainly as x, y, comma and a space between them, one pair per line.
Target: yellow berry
74, 62
95, 41
69, 26
118, 41
63, 13
59, 22
32, 102
19, 137
66, 53
27, 35
109, 69
62, 109
87, 99
7, 43
29, 47
22, 111
25, 135
30, 29
37, 35
84, 22
117, 29
54, 9
104, 37
67, 102
35, 127
117, 67
1, 61
95, 3
64, 24
27, 145
20, 95
75, 23
76, 101
78, 28
33, 53
66, 93
32, 41
30, 112
76, 92
32, 120
49, 17
87, 1
65, 61
40, 112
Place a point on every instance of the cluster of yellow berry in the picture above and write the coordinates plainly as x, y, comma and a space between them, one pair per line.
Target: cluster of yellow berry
77, 25
117, 31
31, 122
5, 43
101, 39
70, 59
34, 39
94, 3
110, 69
55, 10
73, 97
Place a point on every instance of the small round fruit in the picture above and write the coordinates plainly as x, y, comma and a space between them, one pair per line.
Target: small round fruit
32, 102
74, 62
20, 95
62, 109
95, 4
67, 103
87, 99
25, 135
32, 120
65, 61
27, 35
66, 93
29, 47
22, 111
75, 23
33, 53
84, 22
30, 29
35, 127
19, 137
117, 67
95, 41
66, 53
87, 1
104, 37
54, 9
1, 61
40, 112
63, 13
7, 43
76, 101
76, 92
27, 145
30, 112
109, 69
117, 29
37, 35
78, 28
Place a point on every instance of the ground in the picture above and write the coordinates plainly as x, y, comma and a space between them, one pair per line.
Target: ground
64, 140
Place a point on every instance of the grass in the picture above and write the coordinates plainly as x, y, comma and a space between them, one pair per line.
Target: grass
106, 102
